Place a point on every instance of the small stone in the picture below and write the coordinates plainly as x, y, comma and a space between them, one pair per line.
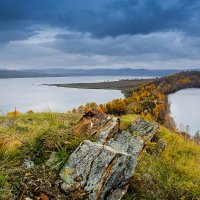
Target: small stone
162, 144
28, 164
53, 160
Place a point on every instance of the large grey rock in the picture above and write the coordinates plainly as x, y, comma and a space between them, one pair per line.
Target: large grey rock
108, 131
102, 169
95, 167
143, 129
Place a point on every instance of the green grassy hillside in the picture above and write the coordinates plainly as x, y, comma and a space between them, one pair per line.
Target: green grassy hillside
173, 173
33, 137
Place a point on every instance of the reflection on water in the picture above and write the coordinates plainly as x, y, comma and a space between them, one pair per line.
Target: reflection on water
28, 93
185, 109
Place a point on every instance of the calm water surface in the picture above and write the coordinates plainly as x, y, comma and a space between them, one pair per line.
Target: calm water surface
185, 109
28, 93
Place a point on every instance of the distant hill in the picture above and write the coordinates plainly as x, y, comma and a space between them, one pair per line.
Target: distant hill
83, 72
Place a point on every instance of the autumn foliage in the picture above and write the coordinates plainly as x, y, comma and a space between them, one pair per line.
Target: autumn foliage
149, 100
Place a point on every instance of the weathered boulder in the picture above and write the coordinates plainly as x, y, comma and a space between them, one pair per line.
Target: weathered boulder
102, 169
143, 130
97, 124
94, 122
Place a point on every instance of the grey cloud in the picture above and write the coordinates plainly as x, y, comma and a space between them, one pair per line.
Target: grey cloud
167, 49
106, 17
96, 33
167, 45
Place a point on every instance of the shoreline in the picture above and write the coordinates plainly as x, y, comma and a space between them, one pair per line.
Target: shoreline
123, 85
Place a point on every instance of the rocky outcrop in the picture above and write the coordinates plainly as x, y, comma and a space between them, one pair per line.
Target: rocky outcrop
94, 122
103, 169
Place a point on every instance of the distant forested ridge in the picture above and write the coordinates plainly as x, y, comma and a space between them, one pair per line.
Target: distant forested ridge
83, 72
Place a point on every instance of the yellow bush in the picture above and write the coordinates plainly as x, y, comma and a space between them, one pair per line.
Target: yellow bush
13, 113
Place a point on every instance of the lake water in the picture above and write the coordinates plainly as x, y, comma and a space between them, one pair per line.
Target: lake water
28, 93
185, 109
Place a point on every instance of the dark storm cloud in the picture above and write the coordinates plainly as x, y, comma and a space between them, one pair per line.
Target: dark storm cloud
104, 17
95, 33
168, 45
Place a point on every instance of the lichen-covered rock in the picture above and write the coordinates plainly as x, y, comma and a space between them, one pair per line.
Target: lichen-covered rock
143, 129
108, 131
93, 167
102, 169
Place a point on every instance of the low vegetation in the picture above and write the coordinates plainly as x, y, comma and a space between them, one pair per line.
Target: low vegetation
169, 174
32, 137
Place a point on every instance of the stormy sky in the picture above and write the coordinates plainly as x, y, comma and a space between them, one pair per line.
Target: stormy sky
100, 33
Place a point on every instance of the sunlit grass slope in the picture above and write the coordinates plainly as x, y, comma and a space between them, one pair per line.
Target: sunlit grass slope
173, 173
33, 137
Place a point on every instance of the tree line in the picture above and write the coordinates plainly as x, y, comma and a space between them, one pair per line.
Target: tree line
149, 100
